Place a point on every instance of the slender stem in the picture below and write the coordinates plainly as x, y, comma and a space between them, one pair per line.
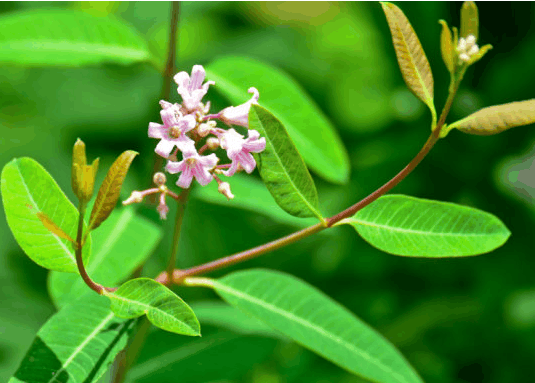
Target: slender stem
181, 202
79, 261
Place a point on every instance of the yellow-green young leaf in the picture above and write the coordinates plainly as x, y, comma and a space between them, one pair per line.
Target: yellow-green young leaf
163, 308
482, 51
496, 119
108, 193
446, 46
79, 160
411, 56
469, 20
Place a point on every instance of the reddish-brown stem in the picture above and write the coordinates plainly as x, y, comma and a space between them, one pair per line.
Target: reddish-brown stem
79, 261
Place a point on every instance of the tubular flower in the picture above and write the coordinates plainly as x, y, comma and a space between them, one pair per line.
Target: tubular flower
192, 88
239, 115
173, 132
238, 149
193, 165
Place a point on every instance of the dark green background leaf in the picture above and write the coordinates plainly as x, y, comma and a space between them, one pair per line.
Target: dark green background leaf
62, 37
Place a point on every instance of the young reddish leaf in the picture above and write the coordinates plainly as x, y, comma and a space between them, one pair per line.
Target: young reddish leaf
469, 20
108, 193
52, 227
496, 119
411, 56
446, 47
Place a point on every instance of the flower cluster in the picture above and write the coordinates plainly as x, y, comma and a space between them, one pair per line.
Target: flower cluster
467, 48
188, 131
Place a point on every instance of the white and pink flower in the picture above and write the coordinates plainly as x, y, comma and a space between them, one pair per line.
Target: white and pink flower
192, 88
173, 132
193, 165
239, 115
239, 149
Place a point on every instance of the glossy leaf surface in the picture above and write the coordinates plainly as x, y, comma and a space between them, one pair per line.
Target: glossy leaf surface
108, 193
411, 226
124, 242
313, 134
410, 54
163, 308
496, 119
314, 320
65, 37
77, 344
281, 167
28, 189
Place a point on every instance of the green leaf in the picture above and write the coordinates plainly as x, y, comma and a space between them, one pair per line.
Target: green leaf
123, 243
446, 47
27, 189
77, 344
314, 320
251, 195
65, 37
496, 119
411, 56
313, 134
108, 194
411, 226
163, 307
469, 20
281, 167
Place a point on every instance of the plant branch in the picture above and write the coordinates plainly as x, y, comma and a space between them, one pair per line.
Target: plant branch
181, 208
79, 246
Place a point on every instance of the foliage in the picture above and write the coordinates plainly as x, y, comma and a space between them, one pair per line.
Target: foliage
277, 326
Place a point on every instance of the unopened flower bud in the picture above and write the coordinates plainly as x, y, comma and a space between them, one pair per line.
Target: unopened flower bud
162, 208
159, 179
135, 197
212, 143
204, 129
224, 188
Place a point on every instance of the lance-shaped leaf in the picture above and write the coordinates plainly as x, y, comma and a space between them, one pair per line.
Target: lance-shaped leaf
314, 320
446, 47
411, 56
123, 243
314, 135
417, 227
496, 119
66, 37
469, 20
108, 193
281, 167
163, 308
27, 190
77, 344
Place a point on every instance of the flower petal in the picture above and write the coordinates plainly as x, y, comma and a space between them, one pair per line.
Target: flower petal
175, 167
184, 181
157, 130
164, 147
197, 77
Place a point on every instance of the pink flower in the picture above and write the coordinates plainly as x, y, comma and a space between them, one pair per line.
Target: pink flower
173, 132
192, 89
239, 115
238, 149
193, 165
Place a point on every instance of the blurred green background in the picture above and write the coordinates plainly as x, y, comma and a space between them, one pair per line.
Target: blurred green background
456, 320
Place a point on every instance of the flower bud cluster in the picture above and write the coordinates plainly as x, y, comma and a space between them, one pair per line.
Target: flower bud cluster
188, 131
467, 48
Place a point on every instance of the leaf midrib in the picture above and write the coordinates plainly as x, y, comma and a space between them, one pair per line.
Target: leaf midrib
290, 316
